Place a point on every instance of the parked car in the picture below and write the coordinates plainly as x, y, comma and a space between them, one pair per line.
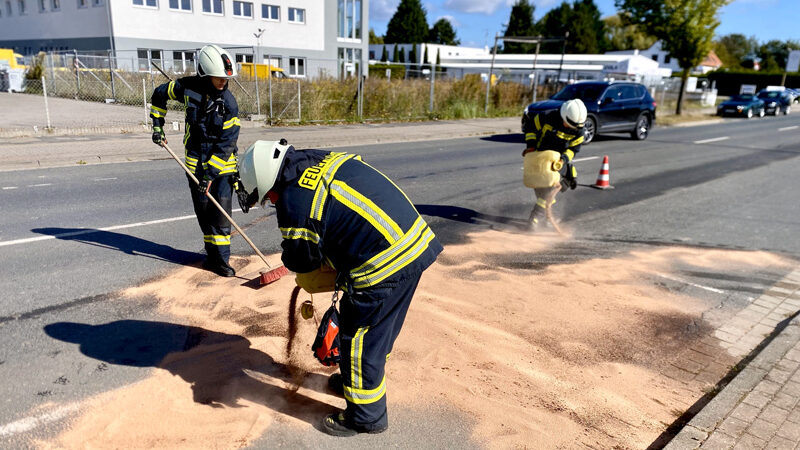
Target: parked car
795, 94
776, 101
612, 106
747, 105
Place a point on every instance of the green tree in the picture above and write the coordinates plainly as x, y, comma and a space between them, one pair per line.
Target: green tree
402, 58
588, 33
442, 32
412, 55
396, 54
685, 28
555, 24
621, 35
520, 23
384, 55
775, 53
734, 49
374, 38
408, 24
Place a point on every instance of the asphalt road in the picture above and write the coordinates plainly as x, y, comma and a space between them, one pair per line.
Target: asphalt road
72, 237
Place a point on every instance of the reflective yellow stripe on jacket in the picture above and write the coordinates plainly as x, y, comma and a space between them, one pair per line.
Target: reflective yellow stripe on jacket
300, 233
233, 122
224, 167
400, 254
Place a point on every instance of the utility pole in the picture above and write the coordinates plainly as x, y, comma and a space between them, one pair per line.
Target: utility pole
563, 50
255, 67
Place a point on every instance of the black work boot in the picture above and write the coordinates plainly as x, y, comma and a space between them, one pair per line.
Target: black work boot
219, 267
336, 425
335, 384
536, 217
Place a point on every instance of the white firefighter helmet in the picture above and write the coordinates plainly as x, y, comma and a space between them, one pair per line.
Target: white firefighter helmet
259, 165
213, 61
574, 113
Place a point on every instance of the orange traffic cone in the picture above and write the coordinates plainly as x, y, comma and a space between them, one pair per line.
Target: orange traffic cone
603, 177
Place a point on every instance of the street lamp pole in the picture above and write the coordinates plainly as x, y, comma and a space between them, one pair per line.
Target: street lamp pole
255, 67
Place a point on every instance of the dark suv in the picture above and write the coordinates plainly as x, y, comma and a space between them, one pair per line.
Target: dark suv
613, 107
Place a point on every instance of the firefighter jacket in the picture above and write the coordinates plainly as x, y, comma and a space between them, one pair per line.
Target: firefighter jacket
212, 123
546, 131
334, 208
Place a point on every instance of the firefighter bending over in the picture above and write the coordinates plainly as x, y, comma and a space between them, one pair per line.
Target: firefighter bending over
552, 139
212, 129
338, 213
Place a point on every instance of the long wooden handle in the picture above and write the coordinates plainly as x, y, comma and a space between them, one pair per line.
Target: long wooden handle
214, 201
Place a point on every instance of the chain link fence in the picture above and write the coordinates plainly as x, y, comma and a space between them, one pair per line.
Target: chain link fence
98, 92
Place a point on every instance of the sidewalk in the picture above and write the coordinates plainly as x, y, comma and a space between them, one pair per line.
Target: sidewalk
760, 407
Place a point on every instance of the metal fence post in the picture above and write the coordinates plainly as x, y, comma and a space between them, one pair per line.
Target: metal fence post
433, 78
269, 84
299, 107
144, 98
46, 107
111, 75
77, 76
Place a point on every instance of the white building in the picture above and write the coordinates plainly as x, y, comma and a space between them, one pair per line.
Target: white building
664, 59
460, 61
323, 37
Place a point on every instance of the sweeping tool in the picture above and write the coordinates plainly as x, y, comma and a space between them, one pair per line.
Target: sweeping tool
266, 277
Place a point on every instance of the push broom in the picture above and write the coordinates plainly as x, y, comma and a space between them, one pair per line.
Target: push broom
269, 276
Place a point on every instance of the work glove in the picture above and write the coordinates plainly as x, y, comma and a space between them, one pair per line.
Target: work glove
158, 135
320, 280
569, 179
244, 199
204, 184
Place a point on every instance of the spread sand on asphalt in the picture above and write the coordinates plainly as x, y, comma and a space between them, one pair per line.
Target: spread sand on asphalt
537, 355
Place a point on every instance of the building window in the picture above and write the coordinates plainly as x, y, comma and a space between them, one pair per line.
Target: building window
8, 9
145, 55
273, 60
244, 58
97, 3
42, 6
213, 7
349, 62
667, 59
148, 3
83, 3
182, 61
270, 12
182, 5
297, 15
242, 9
349, 19
297, 66
21, 7
55, 5
655, 57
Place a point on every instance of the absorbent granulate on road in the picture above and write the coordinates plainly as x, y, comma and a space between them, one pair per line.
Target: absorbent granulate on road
538, 352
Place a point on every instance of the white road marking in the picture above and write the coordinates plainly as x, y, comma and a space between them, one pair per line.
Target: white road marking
700, 286
5, 188
40, 184
111, 228
29, 423
717, 139
588, 158
105, 179
789, 128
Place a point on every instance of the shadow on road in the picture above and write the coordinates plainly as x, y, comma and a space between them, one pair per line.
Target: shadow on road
125, 243
221, 368
471, 216
510, 138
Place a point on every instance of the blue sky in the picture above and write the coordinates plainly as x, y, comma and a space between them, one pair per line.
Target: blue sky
477, 21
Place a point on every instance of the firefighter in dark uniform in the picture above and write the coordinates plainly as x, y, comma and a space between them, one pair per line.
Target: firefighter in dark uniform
336, 211
212, 128
560, 131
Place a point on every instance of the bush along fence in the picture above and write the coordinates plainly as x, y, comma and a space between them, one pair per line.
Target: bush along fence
392, 92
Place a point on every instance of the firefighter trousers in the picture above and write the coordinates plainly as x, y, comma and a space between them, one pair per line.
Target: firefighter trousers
370, 320
216, 228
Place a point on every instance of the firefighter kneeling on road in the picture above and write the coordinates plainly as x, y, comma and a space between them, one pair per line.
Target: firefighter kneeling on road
552, 139
338, 213
212, 129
